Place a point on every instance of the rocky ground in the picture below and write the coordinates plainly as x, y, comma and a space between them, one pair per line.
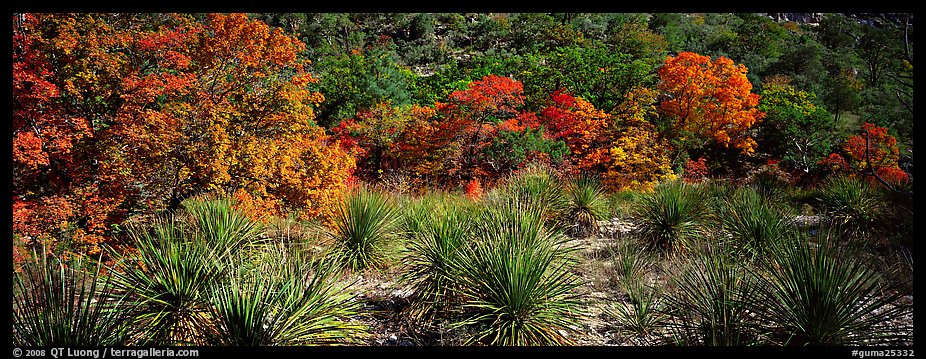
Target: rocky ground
386, 300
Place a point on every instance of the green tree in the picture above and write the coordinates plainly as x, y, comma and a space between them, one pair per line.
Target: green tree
359, 80
796, 129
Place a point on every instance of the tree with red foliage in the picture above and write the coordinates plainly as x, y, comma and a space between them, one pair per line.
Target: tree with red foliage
871, 153
623, 149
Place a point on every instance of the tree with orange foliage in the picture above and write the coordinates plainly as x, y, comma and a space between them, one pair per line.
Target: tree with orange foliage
119, 114
708, 101
474, 113
492, 136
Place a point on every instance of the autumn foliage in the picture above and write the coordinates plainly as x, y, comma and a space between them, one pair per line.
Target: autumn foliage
117, 114
624, 149
710, 100
480, 134
124, 116
871, 152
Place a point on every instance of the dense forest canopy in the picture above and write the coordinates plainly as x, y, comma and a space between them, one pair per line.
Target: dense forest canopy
116, 115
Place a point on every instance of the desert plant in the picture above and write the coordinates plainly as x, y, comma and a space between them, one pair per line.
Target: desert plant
752, 222
712, 298
820, 292
630, 261
770, 187
852, 204
515, 280
586, 205
171, 277
645, 313
289, 299
536, 186
68, 304
220, 225
429, 255
672, 216
364, 225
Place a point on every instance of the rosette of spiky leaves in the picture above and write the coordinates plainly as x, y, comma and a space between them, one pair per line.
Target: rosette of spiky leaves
417, 211
630, 261
852, 204
181, 260
673, 216
644, 314
537, 186
364, 225
516, 279
712, 299
68, 304
770, 188
171, 278
752, 222
287, 299
220, 225
586, 205
821, 292
430, 254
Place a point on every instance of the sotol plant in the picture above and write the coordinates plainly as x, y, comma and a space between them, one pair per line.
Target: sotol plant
711, 300
586, 205
672, 216
536, 186
645, 313
852, 204
68, 304
516, 280
752, 222
821, 292
429, 255
181, 260
365, 224
286, 299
